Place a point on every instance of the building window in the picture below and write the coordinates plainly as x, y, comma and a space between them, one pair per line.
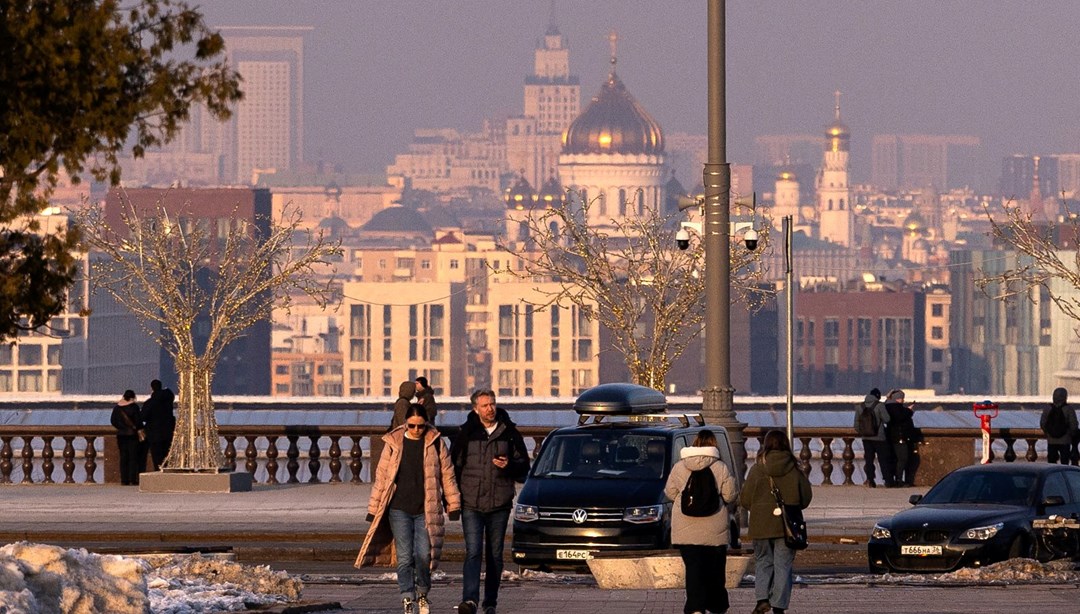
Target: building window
387, 383
387, 348
29, 354
281, 369
54, 354
454, 264
281, 388
937, 332
5, 381
5, 354
30, 381
937, 355
937, 310
555, 388
935, 378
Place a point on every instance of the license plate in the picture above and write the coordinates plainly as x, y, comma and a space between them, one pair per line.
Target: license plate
920, 550
572, 555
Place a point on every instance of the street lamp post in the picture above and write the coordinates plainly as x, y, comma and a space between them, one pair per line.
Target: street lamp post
717, 402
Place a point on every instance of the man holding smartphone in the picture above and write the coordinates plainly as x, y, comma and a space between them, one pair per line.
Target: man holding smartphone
902, 434
489, 456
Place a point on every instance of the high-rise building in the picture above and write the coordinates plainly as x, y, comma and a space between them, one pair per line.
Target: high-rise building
266, 132
914, 161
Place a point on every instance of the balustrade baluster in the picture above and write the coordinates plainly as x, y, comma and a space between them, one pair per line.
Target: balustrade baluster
47, 459
849, 457
804, 456
335, 459
313, 460
537, 442
826, 460
1032, 455
251, 453
293, 453
356, 459
91, 459
271, 460
5, 460
69, 459
230, 452
28, 460
1010, 453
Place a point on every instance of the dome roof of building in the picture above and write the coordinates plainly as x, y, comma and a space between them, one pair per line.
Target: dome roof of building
613, 123
914, 222
520, 195
397, 219
551, 192
837, 134
334, 225
786, 175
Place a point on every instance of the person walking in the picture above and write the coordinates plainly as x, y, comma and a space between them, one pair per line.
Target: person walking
702, 540
426, 397
1058, 423
775, 467
902, 434
157, 415
412, 480
489, 456
406, 392
871, 417
125, 419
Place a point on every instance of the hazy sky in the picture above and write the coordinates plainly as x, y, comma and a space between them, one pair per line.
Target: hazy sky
1006, 71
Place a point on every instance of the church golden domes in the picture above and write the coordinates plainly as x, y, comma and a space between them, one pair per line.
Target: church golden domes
837, 136
613, 123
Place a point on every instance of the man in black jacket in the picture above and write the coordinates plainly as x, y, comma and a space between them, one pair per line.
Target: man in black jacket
489, 456
157, 413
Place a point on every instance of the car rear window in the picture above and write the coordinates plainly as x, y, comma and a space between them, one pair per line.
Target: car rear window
604, 455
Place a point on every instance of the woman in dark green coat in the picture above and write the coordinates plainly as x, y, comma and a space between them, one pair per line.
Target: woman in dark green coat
772, 558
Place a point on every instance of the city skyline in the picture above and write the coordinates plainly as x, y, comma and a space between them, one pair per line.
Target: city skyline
376, 72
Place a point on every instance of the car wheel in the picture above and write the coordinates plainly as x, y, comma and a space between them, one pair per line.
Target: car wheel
1020, 548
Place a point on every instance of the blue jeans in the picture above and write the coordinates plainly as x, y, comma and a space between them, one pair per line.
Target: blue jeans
413, 552
772, 571
484, 533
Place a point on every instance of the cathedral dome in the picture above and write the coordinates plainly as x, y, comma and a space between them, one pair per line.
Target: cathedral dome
551, 192
613, 123
520, 195
786, 175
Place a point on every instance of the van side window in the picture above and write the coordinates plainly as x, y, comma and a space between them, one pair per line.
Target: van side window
679, 442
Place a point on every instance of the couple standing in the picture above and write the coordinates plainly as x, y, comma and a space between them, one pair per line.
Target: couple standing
895, 441
417, 477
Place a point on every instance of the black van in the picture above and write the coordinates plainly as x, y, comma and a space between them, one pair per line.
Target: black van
599, 486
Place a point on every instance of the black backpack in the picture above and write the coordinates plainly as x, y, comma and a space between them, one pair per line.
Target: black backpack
866, 424
1057, 425
700, 496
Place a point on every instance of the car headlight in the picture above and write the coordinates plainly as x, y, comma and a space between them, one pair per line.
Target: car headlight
880, 532
644, 513
526, 513
982, 533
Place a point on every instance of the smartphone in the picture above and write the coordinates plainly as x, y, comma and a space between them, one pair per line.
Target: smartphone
502, 449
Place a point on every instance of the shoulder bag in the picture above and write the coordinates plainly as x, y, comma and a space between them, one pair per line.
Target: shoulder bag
791, 516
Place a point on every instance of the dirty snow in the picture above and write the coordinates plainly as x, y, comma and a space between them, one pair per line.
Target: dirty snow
43, 579
1013, 571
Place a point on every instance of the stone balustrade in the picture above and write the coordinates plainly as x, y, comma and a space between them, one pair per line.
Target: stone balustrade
59, 454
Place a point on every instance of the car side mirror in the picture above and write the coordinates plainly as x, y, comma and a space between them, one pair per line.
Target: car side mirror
1053, 500
914, 500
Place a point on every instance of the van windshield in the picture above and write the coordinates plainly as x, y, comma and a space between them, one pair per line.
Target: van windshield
604, 455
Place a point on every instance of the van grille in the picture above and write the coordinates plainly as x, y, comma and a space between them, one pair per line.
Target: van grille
597, 515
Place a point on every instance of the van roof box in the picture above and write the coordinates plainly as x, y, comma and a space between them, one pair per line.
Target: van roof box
620, 400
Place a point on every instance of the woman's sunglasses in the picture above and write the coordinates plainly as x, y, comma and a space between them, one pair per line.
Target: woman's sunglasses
415, 426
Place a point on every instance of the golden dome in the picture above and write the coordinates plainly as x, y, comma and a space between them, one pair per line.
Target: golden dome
837, 135
520, 196
613, 123
786, 175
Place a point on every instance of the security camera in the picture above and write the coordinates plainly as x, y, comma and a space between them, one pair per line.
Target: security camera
682, 239
750, 238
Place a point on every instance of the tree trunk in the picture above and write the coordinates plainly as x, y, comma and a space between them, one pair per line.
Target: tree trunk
196, 445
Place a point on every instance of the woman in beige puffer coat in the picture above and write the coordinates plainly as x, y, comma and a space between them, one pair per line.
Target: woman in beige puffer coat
413, 481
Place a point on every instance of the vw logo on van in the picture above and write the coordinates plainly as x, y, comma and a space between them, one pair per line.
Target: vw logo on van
579, 516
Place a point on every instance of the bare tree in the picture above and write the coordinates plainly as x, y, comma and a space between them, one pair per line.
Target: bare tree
628, 276
1040, 260
170, 271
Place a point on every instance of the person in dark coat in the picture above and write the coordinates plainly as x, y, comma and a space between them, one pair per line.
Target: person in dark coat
157, 415
489, 457
902, 433
1059, 449
406, 392
877, 446
127, 422
426, 397
772, 558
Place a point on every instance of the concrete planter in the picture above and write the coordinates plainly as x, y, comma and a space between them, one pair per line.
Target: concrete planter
659, 571
167, 481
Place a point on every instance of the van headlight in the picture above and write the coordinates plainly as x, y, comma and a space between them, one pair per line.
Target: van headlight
526, 513
643, 514
982, 533
880, 532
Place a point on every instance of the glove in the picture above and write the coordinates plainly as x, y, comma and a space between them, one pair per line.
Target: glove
455, 515
370, 517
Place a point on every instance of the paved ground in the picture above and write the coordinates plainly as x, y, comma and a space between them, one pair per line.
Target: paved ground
321, 525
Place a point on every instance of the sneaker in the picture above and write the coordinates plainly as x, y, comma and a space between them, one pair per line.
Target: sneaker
762, 607
871, 483
407, 606
422, 604
489, 609
467, 607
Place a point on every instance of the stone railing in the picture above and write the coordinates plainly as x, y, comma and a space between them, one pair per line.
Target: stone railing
341, 454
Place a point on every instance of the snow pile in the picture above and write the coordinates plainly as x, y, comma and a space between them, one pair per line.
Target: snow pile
1012, 571
42, 579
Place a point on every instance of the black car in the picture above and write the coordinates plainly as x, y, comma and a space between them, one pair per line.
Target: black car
975, 516
599, 486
